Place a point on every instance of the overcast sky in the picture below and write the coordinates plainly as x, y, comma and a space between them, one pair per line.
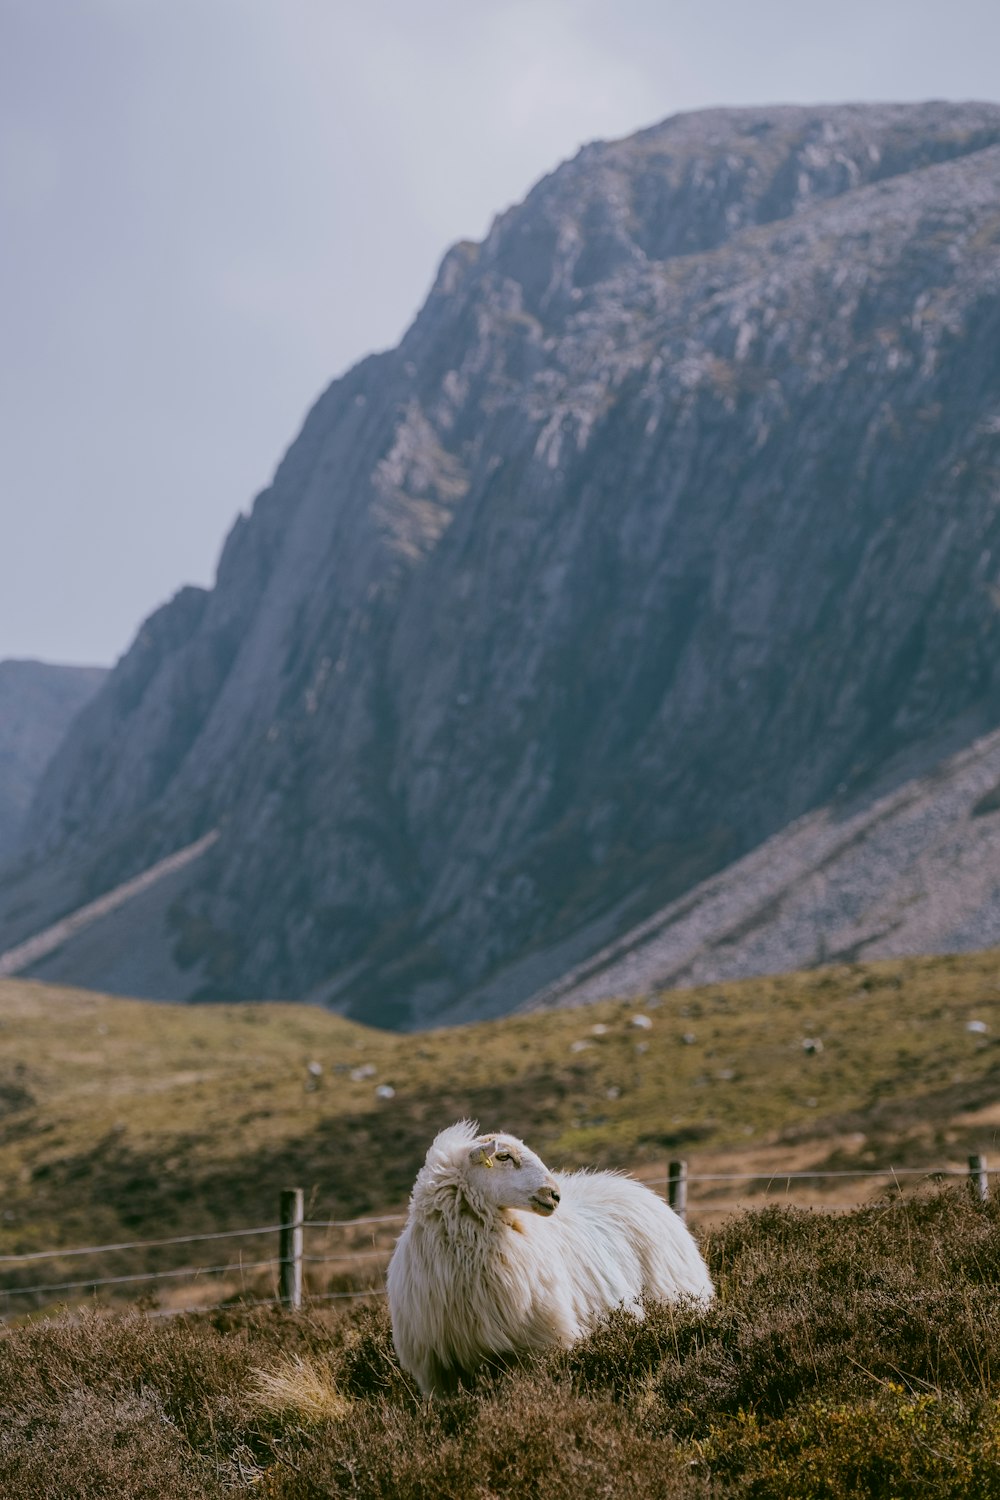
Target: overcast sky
209, 208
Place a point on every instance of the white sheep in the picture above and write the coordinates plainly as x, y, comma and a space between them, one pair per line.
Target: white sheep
500, 1256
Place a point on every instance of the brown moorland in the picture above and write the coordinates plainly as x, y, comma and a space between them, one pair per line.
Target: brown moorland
124, 1120
847, 1356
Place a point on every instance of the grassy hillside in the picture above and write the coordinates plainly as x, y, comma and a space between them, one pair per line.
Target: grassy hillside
847, 1357
127, 1120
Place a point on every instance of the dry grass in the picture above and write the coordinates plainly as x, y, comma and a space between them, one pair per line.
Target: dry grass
300, 1388
127, 1120
847, 1356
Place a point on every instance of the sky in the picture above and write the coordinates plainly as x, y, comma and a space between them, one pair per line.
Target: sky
211, 208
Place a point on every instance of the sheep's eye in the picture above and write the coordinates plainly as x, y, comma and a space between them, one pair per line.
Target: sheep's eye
502, 1156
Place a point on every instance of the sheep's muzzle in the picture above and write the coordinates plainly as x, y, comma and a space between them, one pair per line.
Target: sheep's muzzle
545, 1200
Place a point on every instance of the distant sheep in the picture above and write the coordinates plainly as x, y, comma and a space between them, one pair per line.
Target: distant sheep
487, 1268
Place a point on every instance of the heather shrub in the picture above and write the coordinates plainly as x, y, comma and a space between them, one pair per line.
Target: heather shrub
530, 1436
897, 1444
846, 1356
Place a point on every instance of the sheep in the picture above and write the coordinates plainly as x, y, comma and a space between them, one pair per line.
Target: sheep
500, 1256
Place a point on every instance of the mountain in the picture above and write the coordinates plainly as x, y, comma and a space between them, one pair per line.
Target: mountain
892, 872
674, 512
37, 704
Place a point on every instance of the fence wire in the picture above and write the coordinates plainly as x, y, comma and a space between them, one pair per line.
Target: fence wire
94, 1281
177, 1239
352, 1223
329, 1260
930, 1173
763, 1177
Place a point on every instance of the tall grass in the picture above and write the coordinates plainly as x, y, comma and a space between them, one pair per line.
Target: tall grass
847, 1356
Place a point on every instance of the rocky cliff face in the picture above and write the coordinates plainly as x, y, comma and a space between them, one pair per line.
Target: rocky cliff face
675, 510
880, 874
37, 704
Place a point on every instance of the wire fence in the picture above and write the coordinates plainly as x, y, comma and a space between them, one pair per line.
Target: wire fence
927, 1174
176, 1239
344, 1271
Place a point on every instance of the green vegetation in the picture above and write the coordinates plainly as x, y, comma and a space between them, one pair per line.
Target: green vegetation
848, 1356
127, 1120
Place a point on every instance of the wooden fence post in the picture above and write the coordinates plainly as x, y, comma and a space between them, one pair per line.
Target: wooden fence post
677, 1187
979, 1180
290, 1247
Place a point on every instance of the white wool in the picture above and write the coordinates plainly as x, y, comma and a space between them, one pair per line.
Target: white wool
500, 1257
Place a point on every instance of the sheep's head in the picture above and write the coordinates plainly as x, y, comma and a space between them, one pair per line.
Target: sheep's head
503, 1171
492, 1170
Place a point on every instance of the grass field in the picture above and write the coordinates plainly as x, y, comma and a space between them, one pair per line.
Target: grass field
847, 1357
128, 1120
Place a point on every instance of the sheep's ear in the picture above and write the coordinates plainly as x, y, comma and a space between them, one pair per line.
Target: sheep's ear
482, 1156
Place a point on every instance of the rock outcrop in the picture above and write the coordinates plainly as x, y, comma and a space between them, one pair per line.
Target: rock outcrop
675, 511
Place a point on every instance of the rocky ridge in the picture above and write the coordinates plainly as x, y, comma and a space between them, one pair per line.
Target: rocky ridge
674, 512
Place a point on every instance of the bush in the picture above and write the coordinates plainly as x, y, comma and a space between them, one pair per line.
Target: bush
895, 1444
846, 1356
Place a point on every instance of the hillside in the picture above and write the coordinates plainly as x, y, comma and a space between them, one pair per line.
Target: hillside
867, 876
672, 518
847, 1355
125, 1120
38, 702
848, 1358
